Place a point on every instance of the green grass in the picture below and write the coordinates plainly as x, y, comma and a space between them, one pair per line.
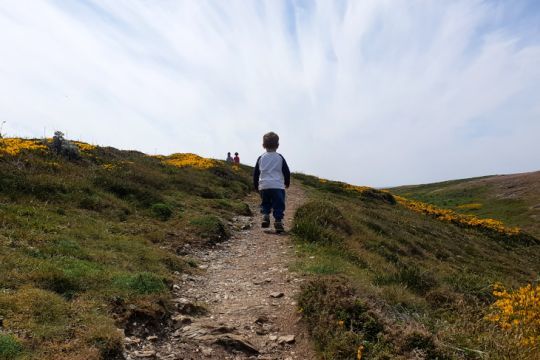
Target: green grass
10, 347
429, 283
512, 199
83, 244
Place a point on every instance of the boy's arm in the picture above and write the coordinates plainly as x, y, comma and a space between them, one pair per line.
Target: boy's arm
256, 174
286, 172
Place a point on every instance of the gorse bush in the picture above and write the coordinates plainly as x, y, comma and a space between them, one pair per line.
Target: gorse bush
518, 313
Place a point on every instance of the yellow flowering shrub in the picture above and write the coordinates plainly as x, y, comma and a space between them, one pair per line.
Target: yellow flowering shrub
84, 146
472, 206
108, 166
459, 219
189, 160
518, 312
356, 188
14, 146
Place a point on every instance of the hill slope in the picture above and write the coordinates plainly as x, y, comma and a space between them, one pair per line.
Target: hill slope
397, 279
93, 243
514, 199
90, 245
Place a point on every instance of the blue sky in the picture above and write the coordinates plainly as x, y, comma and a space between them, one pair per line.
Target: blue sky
369, 92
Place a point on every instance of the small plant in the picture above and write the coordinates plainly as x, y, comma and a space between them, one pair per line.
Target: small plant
141, 283
10, 347
162, 211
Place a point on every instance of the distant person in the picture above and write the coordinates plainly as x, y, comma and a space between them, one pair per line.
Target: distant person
229, 158
270, 177
236, 159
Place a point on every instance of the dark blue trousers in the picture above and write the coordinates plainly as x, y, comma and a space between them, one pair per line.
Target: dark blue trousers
273, 199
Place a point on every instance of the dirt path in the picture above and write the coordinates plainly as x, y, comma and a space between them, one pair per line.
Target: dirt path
249, 295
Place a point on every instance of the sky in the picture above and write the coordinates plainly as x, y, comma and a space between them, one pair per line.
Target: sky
377, 93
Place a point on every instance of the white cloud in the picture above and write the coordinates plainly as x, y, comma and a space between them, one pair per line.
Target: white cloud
370, 92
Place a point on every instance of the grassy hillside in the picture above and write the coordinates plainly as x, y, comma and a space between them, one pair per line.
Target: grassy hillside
88, 246
91, 244
391, 280
514, 199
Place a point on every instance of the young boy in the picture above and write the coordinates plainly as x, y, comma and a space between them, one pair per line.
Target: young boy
270, 178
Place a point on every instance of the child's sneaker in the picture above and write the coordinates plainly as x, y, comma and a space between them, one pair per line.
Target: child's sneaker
278, 225
266, 221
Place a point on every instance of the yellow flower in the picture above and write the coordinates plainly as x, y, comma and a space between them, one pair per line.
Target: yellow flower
518, 312
84, 146
472, 206
359, 352
189, 160
108, 166
458, 219
14, 146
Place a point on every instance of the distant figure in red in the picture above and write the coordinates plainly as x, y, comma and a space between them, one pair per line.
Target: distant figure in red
236, 158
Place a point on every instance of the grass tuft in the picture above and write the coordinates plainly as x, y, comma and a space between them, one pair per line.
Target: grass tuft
10, 347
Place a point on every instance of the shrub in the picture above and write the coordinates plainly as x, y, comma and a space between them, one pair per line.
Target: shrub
320, 221
518, 313
423, 342
375, 195
162, 211
93, 203
337, 320
10, 347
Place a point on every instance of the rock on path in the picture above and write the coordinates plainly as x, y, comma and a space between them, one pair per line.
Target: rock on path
249, 297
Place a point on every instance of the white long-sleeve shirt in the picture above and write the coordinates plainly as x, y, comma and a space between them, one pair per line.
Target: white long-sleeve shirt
271, 172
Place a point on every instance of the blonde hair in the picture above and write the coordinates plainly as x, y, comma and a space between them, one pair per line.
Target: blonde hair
271, 141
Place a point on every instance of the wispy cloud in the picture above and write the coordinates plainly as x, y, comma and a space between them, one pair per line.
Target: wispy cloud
372, 92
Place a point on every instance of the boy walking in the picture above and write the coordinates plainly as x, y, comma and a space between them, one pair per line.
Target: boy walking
270, 178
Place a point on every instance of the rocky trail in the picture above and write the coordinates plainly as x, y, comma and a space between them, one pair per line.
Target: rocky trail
240, 305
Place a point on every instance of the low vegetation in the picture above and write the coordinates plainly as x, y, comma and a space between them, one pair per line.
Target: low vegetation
392, 282
512, 199
88, 243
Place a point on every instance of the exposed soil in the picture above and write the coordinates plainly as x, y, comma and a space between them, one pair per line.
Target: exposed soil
241, 305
